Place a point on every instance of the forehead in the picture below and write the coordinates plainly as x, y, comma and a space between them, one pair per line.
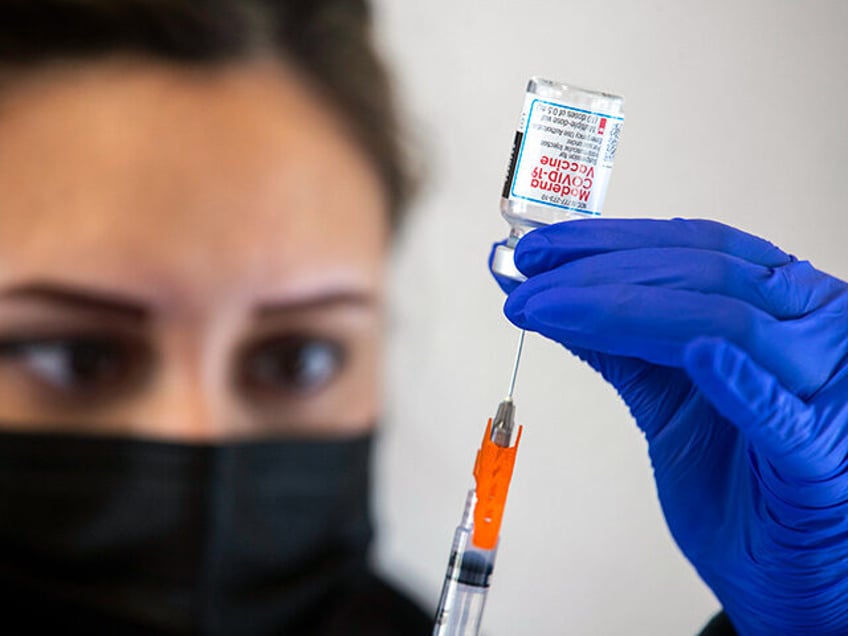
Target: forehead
193, 180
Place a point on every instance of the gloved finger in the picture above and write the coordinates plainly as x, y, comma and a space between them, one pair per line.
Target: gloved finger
785, 292
779, 424
506, 284
549, 247
655, 324
651, 392
649, 323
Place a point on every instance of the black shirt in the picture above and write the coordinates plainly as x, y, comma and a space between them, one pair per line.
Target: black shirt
371, 608
720, 625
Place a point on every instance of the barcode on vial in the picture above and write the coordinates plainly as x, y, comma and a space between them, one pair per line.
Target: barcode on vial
612, 144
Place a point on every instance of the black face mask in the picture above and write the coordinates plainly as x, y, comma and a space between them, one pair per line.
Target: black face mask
121, 536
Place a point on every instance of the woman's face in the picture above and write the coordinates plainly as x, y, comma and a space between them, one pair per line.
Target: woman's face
185, 253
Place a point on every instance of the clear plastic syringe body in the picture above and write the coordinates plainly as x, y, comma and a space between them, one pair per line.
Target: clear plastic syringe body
476, 540
561, 161
463, 599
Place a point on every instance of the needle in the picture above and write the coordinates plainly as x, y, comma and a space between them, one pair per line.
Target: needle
515, 365
504, 421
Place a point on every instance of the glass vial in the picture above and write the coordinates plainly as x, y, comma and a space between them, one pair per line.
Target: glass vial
561, 161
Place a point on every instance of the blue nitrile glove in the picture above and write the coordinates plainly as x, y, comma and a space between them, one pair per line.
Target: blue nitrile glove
733, 358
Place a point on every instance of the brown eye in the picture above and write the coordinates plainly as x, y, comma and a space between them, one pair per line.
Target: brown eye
291, 364
77, 367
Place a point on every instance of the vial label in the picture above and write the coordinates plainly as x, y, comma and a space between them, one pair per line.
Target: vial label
562, 156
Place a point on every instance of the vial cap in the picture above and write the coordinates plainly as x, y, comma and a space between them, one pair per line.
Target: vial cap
503, 263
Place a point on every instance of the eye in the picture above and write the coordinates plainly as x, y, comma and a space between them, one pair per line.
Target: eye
290, 364
79, 366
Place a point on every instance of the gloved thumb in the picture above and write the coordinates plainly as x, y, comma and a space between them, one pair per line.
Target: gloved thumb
776, 422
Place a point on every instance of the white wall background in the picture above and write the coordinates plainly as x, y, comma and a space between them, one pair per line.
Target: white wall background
735, 111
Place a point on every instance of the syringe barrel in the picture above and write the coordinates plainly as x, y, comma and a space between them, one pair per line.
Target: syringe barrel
466, 583
465, 613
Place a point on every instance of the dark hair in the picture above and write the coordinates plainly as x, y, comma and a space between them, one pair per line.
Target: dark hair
329, 40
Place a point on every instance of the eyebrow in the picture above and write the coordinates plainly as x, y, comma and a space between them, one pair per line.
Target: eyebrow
80, 299
319, 301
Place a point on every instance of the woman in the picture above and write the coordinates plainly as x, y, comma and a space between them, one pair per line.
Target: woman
197, 202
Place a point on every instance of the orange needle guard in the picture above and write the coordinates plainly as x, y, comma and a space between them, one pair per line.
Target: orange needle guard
492, 472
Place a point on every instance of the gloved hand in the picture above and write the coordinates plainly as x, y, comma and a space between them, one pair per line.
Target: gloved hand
733, 358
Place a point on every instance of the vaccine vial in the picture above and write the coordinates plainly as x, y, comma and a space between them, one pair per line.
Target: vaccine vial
561, 161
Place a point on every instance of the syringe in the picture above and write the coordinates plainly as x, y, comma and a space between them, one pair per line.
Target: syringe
475, 541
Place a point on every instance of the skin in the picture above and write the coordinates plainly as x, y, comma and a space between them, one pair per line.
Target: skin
178, 216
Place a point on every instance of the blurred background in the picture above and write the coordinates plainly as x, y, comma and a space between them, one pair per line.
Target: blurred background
734, 111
